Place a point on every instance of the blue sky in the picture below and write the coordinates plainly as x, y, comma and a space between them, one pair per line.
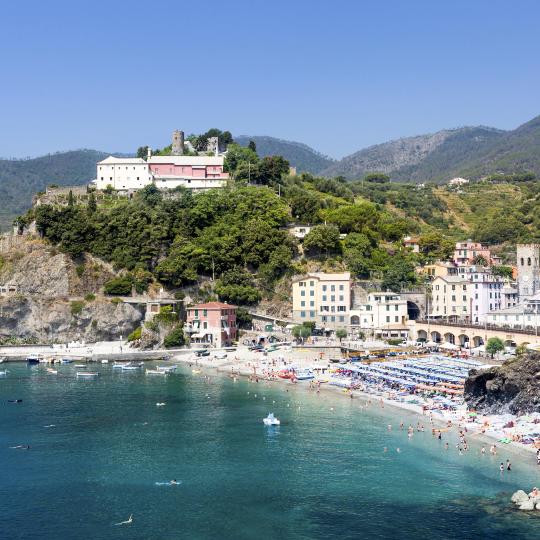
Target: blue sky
338, 75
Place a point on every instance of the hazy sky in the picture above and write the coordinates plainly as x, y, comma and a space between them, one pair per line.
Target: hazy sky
338, 75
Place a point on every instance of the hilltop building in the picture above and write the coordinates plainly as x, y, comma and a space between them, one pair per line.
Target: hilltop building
465, 253
166, 172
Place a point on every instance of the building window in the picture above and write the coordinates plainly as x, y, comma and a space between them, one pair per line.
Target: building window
332, 288
341, 298
205, 313
387, 319
332, 318
312, 314
397, 308
303, 314
396, 318
341, 288
311, 293
302, 304
341, 318
311, 283
324, 287
311, 303
333, 298
387, 308
196, 313
324, 298
528, 261
323, 318
302, 293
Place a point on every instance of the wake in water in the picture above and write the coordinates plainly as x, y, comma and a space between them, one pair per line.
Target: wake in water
169, 483
127, 522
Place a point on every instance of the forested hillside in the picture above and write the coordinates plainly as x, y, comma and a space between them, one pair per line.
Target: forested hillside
234, 243
20, 180
472, 152
301, 156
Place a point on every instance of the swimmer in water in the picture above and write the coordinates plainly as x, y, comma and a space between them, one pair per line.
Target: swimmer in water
446, 446
127, 522
508, 465
398, 450
385, 449
483, 450
501, 467
173, 482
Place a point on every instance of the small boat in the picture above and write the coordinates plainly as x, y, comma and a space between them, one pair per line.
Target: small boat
195, 371
81, 366
166, 369
304, 375
3, 373
120, 365
87, 374
271, 420
156, 372
33, 359
285, 374
66, 361
14, 400
104, 361
130, 367
52, 371
160, 404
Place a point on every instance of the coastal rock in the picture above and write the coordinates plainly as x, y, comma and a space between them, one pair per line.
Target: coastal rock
511, 388
519, 497
44, 320
526, 505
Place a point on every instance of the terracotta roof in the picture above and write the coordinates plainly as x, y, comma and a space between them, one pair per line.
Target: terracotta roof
213, 305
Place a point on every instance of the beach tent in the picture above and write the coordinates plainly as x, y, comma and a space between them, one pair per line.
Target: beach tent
449, 347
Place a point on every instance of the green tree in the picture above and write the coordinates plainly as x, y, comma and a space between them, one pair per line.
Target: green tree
356, 253
494, 345
71, 199
271, 169
119, 286
505, 272
322, 239
92, 204
376, 178
252, 146
142, 152
175, 338
237, 155
301, 332
341, 333
400, 273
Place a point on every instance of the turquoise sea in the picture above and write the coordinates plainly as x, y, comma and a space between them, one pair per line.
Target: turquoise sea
321, 474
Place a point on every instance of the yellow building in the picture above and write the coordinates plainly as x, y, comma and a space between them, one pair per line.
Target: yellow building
450, 298
437, 269
323, 298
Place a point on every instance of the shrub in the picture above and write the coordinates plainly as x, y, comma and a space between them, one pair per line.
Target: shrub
116, 301
394, 341
79, 269
179, 295
135, 335
94, 323
166, 315
120, 286
175, 338
90, 297
76, 307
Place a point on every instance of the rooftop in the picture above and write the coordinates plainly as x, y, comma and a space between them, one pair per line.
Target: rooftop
112, 160
186, 160
213, 305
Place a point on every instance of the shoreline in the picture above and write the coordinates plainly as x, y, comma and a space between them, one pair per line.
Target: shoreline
227, 368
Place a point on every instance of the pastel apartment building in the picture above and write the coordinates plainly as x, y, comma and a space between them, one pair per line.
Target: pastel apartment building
466, 252
384, 314
450, 298
323, 298
212, 323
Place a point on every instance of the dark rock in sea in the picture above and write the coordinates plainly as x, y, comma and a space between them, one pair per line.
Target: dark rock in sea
513, 387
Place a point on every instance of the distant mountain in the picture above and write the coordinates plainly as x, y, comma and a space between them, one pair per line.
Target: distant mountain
21, 179
301, 156
471, 152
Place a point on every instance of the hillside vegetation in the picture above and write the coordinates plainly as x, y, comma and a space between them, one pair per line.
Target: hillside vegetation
20, 180
472, 152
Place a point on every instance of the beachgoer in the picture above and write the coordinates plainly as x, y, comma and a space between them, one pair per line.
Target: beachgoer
446, 446
508, 465
173, 482
483, 451
501, 468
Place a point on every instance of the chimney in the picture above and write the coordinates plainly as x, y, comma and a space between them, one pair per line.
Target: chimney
149, 153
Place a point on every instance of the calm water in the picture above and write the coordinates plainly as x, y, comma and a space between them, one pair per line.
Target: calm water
322, 474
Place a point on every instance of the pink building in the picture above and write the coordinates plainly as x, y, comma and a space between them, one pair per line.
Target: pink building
466, 252
195, 172
213, 322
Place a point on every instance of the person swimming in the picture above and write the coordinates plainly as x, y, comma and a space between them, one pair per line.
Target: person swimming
173, 482
127, 522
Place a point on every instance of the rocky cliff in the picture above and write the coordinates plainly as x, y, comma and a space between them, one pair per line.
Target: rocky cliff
53, 298
513, 387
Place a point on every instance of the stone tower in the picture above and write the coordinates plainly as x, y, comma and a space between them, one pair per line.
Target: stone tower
213, 145
177, 143
528, 265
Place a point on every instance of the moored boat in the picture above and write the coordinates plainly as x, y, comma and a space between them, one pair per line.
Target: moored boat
271, 420
87, 374
52, 371
33, 359
156, 372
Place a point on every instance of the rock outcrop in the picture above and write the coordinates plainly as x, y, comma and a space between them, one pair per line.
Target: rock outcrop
45, 320
46, 301
513, 387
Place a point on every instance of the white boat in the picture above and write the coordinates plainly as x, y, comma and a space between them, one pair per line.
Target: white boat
271, 420
81, 366
304, 374
120, 365
3, 373
166, 369
52, 371
156, 372
66, 361
104, 361
87, 374
131, 367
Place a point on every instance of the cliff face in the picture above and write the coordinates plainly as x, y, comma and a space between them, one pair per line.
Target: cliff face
47, 304
50, 319
513, 387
